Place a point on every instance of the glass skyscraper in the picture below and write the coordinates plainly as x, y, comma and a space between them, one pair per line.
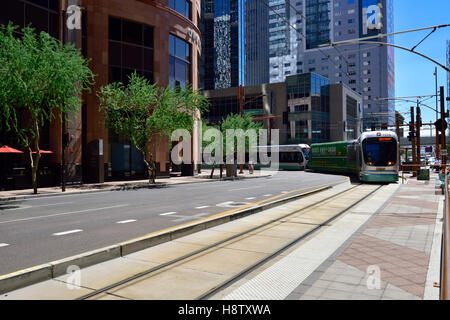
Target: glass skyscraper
366, 68
234, 43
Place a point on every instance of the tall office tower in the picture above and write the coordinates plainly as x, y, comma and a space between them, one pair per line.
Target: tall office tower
367, 68
234, 43
284, 40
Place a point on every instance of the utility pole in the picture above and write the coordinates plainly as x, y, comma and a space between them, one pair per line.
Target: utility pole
418, 125
443, 127
413, 139
437, 148
397, 129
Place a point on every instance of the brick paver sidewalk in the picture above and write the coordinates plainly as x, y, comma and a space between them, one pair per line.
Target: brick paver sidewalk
394, 246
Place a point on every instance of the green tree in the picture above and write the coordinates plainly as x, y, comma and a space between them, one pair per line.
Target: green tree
242, 125
40, 79
144, 113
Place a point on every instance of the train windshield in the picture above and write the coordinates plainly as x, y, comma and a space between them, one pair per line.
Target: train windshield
306, 153
380, 151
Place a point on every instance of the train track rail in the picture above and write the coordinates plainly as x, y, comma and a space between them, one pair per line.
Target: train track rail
248, 232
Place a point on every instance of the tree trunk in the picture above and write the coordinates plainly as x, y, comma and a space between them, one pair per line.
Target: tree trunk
212, 170
35, 163
149, 166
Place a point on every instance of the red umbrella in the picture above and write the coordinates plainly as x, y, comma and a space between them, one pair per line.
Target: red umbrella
6, 149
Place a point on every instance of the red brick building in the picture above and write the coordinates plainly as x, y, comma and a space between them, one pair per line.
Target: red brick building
159, 39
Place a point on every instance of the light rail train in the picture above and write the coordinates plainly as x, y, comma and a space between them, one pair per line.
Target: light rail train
373, 157
290, 157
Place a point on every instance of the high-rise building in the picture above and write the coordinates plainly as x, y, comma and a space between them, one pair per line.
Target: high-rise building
366, 68
234, 43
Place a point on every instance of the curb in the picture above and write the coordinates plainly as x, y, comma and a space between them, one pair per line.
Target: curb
33, 275
123, 188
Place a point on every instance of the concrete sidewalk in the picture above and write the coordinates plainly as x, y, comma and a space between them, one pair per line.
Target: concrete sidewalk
204, 176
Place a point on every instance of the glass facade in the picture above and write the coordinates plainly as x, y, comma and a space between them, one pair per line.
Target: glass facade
352, 115
181, 6
309, 119
179, 62
130, 49
234, 43
318, 20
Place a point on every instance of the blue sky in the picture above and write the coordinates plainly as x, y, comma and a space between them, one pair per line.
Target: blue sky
414, 74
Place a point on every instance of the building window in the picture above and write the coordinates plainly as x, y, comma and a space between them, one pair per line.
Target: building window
179, 62
43, 15
181, 6
130, 49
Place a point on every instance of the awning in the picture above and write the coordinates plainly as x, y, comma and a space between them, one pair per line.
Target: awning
6, 149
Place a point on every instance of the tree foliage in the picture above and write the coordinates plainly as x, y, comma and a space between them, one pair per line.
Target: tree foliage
245, 123
143, 112
40, 79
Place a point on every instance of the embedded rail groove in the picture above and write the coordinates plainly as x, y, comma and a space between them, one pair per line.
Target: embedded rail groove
221, 242
271, 256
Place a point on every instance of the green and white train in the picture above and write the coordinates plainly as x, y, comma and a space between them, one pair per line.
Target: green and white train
373, 157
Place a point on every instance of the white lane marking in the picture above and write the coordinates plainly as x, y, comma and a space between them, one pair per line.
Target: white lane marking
22, 207
64, 213
202, 207
284, 191
126, 221
250, 198
67, 232
253, 187
3, 245
167, 213
267, 195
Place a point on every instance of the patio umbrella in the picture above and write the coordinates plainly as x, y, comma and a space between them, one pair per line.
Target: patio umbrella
6, 149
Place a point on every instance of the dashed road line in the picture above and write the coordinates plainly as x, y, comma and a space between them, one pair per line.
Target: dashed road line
202, 207
250, 198
63, 214
3, 245
267, 195
67, 232
126, 221
167, 213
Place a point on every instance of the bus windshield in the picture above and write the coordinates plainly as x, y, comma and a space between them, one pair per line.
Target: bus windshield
380, 151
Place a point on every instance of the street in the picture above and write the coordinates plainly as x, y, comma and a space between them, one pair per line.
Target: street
44, 229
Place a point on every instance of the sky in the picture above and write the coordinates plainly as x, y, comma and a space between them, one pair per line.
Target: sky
414, 74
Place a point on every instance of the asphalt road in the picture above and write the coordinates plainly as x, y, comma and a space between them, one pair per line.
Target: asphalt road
39, 230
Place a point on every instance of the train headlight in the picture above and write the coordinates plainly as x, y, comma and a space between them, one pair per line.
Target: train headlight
390, 163
369, 163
